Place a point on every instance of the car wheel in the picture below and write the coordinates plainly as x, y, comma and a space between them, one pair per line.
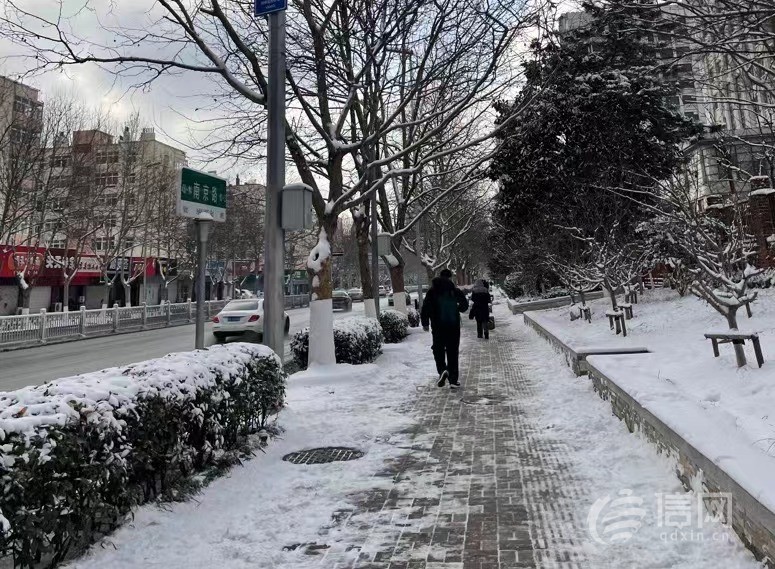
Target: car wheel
349, 307
219, 338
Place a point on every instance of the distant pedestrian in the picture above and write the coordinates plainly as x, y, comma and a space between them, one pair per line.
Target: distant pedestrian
441, 309
480, 311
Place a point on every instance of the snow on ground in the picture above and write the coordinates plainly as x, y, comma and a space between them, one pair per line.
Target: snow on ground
612, 463
722, 410
682, 364
246, 518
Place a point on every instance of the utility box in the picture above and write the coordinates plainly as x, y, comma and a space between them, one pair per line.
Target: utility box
383, 245
297, 207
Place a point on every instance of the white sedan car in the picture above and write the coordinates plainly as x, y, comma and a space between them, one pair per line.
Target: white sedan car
242, 317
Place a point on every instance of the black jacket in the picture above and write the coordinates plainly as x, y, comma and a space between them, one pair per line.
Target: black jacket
481, 308
430, 306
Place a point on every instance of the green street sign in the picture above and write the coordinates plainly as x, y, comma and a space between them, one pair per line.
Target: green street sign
200, 193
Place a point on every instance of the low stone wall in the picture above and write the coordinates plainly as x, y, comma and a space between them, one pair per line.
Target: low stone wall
751, 520
576, 359
543, 304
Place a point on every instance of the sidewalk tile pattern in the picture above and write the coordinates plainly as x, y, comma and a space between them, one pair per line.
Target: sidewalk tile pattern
476, 488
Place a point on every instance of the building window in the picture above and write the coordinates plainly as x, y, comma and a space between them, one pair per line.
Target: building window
60, 161
57, 203
107, 155
111, 221
107, 179
104, 243
58, 243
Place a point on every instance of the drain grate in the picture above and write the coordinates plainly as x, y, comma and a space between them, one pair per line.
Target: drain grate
482, 400
323, 455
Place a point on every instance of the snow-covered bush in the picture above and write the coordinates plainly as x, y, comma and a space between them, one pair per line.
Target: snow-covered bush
78, 453
395, 326
414, 316
357, 340
512, 285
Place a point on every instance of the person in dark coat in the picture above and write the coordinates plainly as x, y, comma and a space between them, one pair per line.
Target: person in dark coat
480, 311
441, 309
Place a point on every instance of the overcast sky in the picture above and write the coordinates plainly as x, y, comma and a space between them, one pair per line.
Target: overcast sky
164, 105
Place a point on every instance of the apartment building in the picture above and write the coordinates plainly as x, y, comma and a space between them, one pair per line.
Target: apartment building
93, 208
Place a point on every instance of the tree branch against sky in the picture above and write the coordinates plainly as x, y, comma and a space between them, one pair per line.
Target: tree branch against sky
347, 91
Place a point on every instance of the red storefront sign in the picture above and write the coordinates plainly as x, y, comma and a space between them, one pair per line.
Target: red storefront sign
47, 265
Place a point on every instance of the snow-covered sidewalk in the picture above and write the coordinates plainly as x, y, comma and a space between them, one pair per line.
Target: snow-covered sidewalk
502, 474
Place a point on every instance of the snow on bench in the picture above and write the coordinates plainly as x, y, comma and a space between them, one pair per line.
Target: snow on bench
736, 337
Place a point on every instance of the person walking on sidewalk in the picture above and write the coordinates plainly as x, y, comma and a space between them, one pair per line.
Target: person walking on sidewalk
481, 299
441, 309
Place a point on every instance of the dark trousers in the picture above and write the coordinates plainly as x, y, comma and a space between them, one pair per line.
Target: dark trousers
446, 347
481, 326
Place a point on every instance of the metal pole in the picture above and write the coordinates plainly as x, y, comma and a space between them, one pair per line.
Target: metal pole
374, 255
420, 270
202, 233
274, 237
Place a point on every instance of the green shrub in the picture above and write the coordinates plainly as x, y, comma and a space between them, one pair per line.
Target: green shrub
395, 326
357, 340
78, 453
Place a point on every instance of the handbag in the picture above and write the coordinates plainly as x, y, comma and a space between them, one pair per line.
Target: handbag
491, 323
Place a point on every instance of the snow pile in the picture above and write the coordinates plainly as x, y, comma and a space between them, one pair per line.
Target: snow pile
357, 340
395, 326
78, 453
320, 253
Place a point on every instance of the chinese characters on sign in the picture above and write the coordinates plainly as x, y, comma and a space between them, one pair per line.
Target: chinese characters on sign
199, 193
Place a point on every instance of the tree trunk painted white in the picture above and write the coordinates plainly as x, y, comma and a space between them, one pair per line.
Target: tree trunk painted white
369, 308
321, 337
398, 304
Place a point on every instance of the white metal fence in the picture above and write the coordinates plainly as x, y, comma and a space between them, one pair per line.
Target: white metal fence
30, 329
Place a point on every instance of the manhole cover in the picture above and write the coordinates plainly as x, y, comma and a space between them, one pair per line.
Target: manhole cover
323, 455
482, 400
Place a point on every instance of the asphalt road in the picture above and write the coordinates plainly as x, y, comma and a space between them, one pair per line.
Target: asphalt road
32, 366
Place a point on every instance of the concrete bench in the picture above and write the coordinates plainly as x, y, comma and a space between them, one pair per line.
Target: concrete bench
733, 337
617, 318
631, 297
586, 313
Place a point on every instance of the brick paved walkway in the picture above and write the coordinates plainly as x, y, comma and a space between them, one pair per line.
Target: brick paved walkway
476, 488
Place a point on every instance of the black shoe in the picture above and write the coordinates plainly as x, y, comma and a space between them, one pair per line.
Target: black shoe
479, 337
443, 378
454, 385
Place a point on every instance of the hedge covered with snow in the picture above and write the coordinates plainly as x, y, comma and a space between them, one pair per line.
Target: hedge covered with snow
78, 453
357, 340
395, 326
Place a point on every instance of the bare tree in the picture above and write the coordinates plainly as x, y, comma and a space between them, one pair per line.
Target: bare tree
715, 251
342, 61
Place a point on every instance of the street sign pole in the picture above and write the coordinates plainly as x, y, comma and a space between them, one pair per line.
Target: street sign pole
202, 236
274, 237
202, 197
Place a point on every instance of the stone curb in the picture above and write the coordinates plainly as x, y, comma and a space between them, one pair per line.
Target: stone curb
576, 358
753, 522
